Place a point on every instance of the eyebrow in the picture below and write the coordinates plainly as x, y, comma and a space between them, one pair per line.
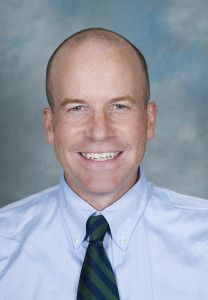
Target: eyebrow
81, 101
123, 98
70, 100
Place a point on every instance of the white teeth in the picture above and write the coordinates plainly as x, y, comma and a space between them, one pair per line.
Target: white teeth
100, 156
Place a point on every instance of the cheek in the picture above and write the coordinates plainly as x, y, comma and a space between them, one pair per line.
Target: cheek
62, 136
66, 140
63, 131
136, 132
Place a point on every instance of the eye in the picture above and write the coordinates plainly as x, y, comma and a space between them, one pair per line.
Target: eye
119, 106
77, 108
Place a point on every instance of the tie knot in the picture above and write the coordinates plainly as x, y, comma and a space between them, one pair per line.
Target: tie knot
98, 227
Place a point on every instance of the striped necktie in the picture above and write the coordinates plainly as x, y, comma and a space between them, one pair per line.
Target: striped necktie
97, 280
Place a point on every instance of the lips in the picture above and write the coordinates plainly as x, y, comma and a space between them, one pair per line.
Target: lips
100, 156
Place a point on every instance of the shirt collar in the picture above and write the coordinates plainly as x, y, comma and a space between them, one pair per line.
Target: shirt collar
122, 215
125, 213
75, 211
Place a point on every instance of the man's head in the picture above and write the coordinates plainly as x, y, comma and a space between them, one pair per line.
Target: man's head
99, 121
96, 34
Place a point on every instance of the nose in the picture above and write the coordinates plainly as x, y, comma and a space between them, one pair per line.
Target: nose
100, 127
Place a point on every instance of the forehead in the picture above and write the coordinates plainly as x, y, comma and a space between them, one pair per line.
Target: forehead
94, 50
93, 61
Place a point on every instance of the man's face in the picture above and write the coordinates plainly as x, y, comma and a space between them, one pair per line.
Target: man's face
100, 125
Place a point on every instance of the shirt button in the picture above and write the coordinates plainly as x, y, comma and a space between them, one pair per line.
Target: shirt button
122, 241
76, 240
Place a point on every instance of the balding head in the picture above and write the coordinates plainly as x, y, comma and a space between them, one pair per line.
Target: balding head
97, 86
96, 35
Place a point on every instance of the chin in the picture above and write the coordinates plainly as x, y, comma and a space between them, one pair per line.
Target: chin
100, 188
106, 185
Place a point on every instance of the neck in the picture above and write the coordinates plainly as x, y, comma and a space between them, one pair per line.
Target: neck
102, 200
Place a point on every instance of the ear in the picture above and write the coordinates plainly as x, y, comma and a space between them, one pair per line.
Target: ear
47, 116
151, 119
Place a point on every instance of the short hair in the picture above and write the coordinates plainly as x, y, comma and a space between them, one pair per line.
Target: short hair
96, 34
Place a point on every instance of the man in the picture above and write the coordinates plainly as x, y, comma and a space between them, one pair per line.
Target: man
99, 120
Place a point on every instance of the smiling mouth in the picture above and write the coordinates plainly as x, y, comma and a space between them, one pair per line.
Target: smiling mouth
100, 156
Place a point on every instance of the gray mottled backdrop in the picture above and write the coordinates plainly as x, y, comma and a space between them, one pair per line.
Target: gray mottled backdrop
173, 35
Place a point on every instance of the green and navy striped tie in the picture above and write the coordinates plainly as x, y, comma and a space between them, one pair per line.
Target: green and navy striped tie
97, 280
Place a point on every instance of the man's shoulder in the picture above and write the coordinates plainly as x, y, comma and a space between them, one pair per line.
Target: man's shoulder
177, 199
34, 199
14, 214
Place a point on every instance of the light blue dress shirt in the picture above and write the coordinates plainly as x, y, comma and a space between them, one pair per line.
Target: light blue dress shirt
158, 246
